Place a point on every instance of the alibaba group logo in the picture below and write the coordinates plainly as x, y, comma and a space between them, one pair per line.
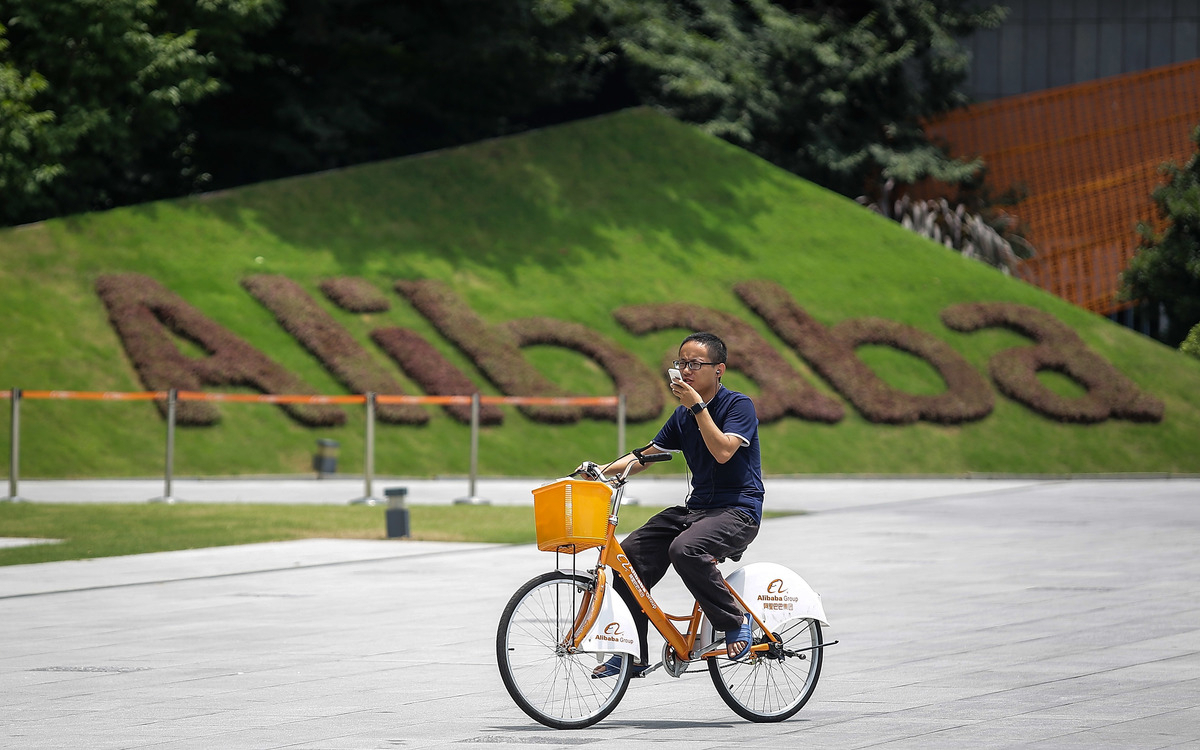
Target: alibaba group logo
613, 628
776, 587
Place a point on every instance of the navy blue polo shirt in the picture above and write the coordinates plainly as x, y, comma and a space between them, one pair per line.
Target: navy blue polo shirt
737, 483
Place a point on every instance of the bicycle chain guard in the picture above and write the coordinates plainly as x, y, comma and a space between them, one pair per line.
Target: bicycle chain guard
671, 662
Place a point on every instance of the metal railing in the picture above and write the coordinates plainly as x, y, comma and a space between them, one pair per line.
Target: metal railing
369, 400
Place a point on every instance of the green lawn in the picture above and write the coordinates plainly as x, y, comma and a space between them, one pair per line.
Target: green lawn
88, 530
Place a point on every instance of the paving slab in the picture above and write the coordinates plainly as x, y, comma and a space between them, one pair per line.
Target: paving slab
1047, 614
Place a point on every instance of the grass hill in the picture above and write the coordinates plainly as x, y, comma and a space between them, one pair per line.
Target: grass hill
571, 223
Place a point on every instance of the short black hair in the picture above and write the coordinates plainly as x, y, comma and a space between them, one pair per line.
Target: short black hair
710, 341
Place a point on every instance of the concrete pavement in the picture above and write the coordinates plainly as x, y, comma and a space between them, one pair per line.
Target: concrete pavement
970, 613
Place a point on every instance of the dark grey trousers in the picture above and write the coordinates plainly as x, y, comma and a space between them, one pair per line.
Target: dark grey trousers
693, 541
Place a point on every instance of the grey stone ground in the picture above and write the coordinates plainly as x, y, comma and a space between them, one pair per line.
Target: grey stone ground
971, 613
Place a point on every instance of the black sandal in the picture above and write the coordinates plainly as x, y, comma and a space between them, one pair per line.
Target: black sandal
612, 668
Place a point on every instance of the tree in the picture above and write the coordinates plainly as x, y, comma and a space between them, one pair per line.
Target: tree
28, 159
835, 92
1166, 267
156, 98
1191, 345
339, 82
100, 112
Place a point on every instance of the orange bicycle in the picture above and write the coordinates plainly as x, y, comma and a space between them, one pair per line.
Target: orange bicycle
560, 625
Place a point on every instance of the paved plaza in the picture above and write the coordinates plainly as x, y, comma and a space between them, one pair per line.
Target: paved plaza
970, 614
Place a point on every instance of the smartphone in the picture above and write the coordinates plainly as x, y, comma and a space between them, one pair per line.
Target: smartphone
674, 374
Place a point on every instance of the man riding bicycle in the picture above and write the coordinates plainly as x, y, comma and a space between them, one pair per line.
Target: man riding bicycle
716, 429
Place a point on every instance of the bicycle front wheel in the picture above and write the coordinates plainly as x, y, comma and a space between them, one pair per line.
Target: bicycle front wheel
547, 682
772, 685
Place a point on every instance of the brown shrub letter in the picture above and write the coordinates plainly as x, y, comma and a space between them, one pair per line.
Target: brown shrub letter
145, 315
493, 349
782, 389
643, 391
831, 353
1109, 393
319, 333
433, 372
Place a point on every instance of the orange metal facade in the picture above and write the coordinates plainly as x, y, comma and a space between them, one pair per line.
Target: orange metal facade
1088, 157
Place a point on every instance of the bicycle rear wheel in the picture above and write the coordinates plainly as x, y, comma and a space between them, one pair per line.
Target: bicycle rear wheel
551, 685
772, 685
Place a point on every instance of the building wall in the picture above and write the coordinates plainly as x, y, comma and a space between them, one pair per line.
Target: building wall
1046, 43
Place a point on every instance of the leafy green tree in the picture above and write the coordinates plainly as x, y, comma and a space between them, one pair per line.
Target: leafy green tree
1166, 268
96, 100
115, 101
833, 91
1191, 345
28, 159
338, 82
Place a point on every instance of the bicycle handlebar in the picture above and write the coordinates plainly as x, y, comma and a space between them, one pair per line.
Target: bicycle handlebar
655, 458
591, 470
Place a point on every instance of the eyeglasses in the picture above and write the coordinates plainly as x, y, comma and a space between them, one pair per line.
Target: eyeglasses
694, 364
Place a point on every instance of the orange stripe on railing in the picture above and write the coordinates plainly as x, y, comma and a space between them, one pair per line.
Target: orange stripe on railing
269, 398
272, 398
433, 400
551, 400
94, 395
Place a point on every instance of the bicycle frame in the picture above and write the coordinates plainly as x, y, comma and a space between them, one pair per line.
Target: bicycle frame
612, 557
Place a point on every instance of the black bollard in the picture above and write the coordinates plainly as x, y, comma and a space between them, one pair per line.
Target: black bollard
396, 514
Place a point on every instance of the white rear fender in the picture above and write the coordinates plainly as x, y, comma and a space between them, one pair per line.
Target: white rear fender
774, 595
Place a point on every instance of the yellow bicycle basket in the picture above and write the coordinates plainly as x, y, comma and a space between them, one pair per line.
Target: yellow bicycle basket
571, 515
